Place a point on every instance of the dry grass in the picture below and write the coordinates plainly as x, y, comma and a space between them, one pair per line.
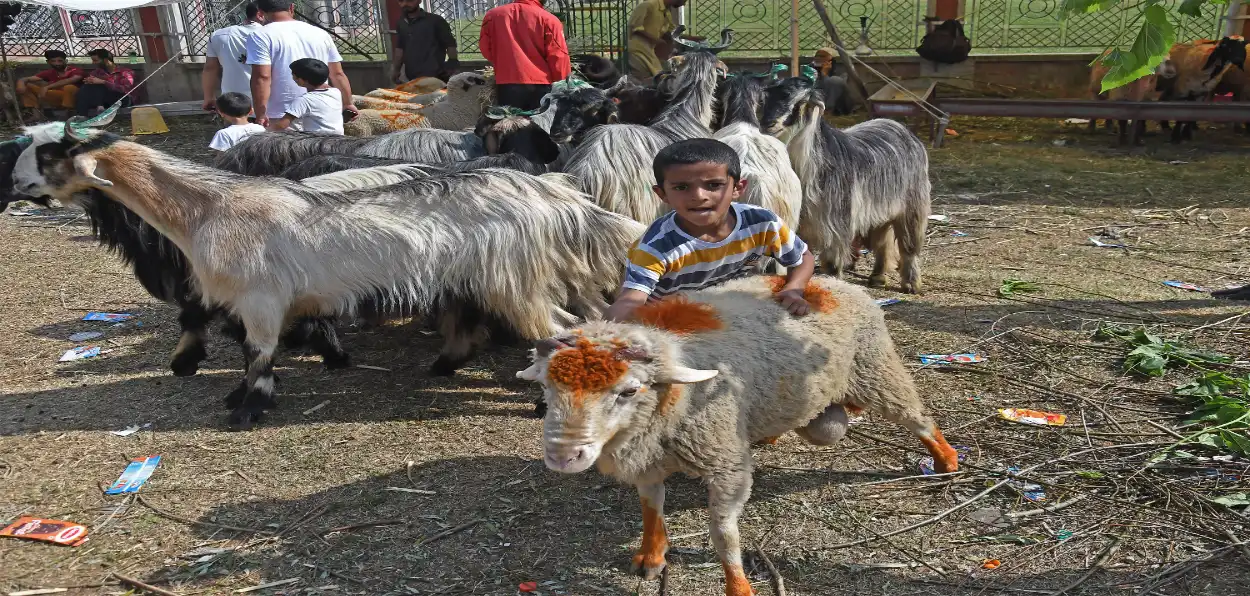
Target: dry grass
269, 500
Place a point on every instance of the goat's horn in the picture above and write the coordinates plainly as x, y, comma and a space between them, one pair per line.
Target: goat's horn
726, 38
105, 118
73, 127
618, 85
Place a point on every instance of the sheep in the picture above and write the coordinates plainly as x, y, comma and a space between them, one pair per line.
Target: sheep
1200, 66
867, 180
427, 99
373, 122
421, 85
372, 103
464, 246
390, 94
1147, 88
1236, 82
468, 93
502, 133
771, 182
613, 163
268, 153
684, 390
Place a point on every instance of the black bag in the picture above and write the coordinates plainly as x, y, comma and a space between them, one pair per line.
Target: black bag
946, 43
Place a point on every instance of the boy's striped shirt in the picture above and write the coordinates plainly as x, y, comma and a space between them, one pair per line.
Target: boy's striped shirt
667, 260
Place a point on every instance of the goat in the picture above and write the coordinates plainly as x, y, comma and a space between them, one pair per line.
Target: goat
771, 182
614, 161
468, 94
1147, 88
863, 181
328, 164
374, 122
597, 70
637, 104
465, 246
699, 379
504, 133
268, 153
1200, 66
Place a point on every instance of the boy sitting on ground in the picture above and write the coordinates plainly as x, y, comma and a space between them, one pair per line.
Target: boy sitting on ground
707, 238
234, 109
318, 110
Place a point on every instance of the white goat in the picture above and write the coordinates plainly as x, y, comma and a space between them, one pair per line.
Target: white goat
487, 247
771, 181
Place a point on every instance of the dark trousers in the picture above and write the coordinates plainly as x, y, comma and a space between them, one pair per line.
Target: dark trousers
94, 96
521, 97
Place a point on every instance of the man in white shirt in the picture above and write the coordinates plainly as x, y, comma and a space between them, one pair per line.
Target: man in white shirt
226, 58
273, 48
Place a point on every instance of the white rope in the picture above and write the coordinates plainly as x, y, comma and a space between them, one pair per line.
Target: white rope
920, 101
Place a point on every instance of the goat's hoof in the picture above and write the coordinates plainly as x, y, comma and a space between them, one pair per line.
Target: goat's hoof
235, 399
540, 408
444, 367
876, 281
910, 288
647, 566
186, 364
243, 419
336, 361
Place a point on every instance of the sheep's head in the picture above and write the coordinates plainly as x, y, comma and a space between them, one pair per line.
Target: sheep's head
58, 160
599, 382
466, 82
1230, 50
579, 110
791, 102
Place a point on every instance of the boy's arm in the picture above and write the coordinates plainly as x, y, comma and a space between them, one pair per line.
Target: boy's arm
626, 303
282, 123
791, 294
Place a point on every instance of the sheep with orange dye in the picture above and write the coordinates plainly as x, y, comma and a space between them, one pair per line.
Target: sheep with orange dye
375, 122
1147, 88
1201, 66
691, 392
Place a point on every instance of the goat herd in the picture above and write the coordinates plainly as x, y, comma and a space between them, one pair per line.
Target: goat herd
520, 229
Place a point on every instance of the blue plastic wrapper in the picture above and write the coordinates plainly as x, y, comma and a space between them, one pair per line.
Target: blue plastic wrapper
80, 353
888, 301
1184, 285
135, 474
951, 358
108, 317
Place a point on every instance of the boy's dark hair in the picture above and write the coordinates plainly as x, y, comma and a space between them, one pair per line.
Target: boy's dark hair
312, 70
251, 9
692, 151
235, 105
53, 54
102, 54
274, 5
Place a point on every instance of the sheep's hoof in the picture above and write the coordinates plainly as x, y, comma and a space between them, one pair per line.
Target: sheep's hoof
540, 408
337, 361
877, 281
243, 419
645, 566
186, 364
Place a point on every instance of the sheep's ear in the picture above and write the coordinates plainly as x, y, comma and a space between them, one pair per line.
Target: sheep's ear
84, 165
682, 374
529, 374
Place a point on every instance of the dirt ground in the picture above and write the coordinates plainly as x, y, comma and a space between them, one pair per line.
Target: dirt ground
371, 481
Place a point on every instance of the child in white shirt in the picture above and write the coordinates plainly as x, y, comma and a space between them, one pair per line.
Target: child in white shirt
234, 109
321, 108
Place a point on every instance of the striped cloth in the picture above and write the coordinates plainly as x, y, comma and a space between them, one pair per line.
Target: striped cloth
667, 260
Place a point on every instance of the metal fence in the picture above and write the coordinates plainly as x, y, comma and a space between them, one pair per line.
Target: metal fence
590, 26
1034, 26
75, 32
357, 25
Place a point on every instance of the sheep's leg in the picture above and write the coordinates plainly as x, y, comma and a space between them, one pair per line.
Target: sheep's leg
649, 561
826, 428
463, 330
727, 494
190, 352
1139, 132
1177, 131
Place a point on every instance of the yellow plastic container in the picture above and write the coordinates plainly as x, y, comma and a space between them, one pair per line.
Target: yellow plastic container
147, 120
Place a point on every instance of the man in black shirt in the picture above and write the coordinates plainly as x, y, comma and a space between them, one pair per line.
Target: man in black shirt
424, 46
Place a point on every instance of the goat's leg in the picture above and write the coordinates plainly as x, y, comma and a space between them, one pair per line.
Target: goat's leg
1139, 132
193, 319
1122, 131
649, 561
233, 328
1188, 131
727, 494
884, 248
909, 230
463, 330
319, 334
263, 325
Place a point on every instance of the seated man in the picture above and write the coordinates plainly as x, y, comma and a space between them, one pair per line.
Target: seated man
105, 85
52, 88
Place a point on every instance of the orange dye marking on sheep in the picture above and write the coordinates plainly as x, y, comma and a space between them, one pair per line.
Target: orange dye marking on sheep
821, 299
585, 368
679, 315
736, 582
654, 539
768, 440
668, 398
945, 458
853, 409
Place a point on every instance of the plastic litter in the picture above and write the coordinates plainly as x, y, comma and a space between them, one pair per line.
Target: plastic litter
528, 587
130, 430
888, 301
1184, 285
1031, 492
47, 530
1076, 121
926, 463
1034, 417
959, 234
80, 353
1101, 244
951, 358
85, 335
939, 217
108, 317
991, 564
950, 132
136, 473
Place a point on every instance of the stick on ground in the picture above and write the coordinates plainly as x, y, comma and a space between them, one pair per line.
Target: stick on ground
130, 581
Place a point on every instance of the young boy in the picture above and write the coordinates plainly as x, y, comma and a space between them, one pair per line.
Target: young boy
234, 109
321, 108
707, 238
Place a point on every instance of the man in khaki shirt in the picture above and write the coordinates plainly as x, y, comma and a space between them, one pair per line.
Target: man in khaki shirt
650, 41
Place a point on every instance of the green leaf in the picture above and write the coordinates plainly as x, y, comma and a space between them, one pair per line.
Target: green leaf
1090, 474
1191, 8
1151, 46
1236, 442
1233, 500
1146, 360
1230, 413
1017, 286
1212, 440
1071, 7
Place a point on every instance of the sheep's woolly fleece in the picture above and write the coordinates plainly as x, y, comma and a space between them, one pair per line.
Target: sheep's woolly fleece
820, 298
677, 314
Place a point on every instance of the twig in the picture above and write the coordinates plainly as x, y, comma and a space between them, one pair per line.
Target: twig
334, 573
1245, 550
1051, 509
1102, 559
964, 241
778, 584
130, 581
449, 532
370, 524
314, 514
282, 582
166, 514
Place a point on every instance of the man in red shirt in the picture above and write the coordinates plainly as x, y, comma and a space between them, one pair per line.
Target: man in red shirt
52, 88
525, 44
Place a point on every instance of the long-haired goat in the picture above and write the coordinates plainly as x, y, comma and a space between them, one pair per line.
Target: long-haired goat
477, 247
771, 181
329, 164
613, 163
597, 70
863, 181
268, 153
701, 378
1200, 67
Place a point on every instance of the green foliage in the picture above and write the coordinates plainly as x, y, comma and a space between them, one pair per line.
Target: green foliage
1012, 286
1152, 356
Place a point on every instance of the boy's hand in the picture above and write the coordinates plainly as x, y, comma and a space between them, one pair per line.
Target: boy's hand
794, 302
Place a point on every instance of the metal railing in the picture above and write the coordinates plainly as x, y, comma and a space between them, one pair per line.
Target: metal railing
75, 32
358, 25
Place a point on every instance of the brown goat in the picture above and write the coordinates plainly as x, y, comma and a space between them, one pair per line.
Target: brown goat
1147, 88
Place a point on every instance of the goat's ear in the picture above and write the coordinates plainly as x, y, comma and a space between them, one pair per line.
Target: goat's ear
491, 140
682, 374
84, 165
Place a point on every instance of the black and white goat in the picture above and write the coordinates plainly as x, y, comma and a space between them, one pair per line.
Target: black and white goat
868, 180
477, 247
329, 164
771, 181
613, 163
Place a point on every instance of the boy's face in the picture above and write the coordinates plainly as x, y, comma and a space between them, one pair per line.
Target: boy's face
700, 193
299, 81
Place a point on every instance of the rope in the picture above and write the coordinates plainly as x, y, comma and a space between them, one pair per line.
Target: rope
501, 112
936, 112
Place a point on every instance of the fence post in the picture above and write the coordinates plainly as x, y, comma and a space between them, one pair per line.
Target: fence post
154, 49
